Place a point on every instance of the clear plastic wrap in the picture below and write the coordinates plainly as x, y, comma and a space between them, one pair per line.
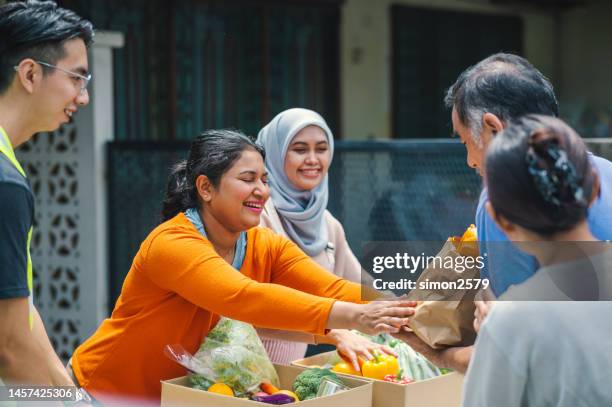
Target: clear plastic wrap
236, 356
233, 354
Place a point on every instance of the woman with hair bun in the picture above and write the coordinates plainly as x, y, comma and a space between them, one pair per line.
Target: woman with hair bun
208, 259
549, 340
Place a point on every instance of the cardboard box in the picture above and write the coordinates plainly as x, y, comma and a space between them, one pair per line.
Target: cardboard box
176, 393
441, 391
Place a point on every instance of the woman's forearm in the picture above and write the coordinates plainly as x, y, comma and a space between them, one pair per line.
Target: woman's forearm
57, 371
342, 315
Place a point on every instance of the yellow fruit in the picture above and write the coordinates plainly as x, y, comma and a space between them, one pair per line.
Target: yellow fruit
346, 368
221, 388
470, 234
468, 244
288, 393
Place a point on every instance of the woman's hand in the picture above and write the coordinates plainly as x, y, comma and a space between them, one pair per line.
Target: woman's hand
371, 318
483, 303
384, 316
481, 312
353, 346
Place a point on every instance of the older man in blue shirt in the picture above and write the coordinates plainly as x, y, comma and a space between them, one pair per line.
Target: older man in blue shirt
484, 99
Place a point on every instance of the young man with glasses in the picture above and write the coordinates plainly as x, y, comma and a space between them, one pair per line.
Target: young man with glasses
43, 82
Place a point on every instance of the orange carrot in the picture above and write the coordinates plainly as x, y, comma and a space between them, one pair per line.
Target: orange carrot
269, 388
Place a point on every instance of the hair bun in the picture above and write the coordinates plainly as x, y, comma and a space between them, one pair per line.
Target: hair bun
552, 172
177, 191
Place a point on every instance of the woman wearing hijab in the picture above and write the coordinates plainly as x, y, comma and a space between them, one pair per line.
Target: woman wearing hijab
299, 149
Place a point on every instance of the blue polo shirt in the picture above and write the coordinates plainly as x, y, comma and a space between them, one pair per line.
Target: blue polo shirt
507, 265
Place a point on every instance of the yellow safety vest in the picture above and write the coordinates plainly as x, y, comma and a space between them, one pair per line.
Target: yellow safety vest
7, 149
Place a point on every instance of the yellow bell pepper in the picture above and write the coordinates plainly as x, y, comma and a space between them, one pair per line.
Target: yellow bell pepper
380, 366
346, 368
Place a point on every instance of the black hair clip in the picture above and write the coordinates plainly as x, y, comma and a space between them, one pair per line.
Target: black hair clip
542, 179
564, 167
557, 182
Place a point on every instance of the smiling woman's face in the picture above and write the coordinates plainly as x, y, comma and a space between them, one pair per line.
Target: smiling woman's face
238, 200
308, 157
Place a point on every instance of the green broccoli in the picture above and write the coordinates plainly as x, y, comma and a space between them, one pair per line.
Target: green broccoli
306, 384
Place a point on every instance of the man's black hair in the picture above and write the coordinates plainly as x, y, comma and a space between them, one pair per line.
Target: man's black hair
38, 30
506, 85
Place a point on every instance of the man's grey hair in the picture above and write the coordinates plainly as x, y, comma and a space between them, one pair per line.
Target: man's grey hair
505, 85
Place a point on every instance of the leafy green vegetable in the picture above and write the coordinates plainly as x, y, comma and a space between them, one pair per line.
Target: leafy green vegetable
200, 382
414, 364
233, 354
222, 332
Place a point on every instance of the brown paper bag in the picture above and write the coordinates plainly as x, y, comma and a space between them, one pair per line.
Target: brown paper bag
444, 317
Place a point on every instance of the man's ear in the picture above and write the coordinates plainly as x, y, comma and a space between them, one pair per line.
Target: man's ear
503, 223
29, 74
492, 123
596, 188
204, 188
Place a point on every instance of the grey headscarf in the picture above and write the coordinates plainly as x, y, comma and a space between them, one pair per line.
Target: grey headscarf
301, 212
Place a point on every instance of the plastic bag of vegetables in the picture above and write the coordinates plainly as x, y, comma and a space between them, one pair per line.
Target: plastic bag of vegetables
231, 353
413, 363
235, 355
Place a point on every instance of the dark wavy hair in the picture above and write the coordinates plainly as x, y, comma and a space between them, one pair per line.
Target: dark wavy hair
539, 175
38, 30
212, 154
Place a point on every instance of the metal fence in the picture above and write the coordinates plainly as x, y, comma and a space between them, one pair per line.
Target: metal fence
379, 190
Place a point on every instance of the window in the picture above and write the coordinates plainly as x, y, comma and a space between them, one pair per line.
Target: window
430, 49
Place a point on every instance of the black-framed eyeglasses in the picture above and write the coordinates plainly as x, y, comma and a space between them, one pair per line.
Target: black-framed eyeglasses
81, 79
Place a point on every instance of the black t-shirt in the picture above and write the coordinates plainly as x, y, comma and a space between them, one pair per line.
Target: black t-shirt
16, 217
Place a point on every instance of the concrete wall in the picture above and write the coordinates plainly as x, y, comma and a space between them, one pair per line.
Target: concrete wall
585, 88
366, 57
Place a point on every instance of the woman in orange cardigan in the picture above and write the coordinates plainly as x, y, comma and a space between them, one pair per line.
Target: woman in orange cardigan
182, 278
